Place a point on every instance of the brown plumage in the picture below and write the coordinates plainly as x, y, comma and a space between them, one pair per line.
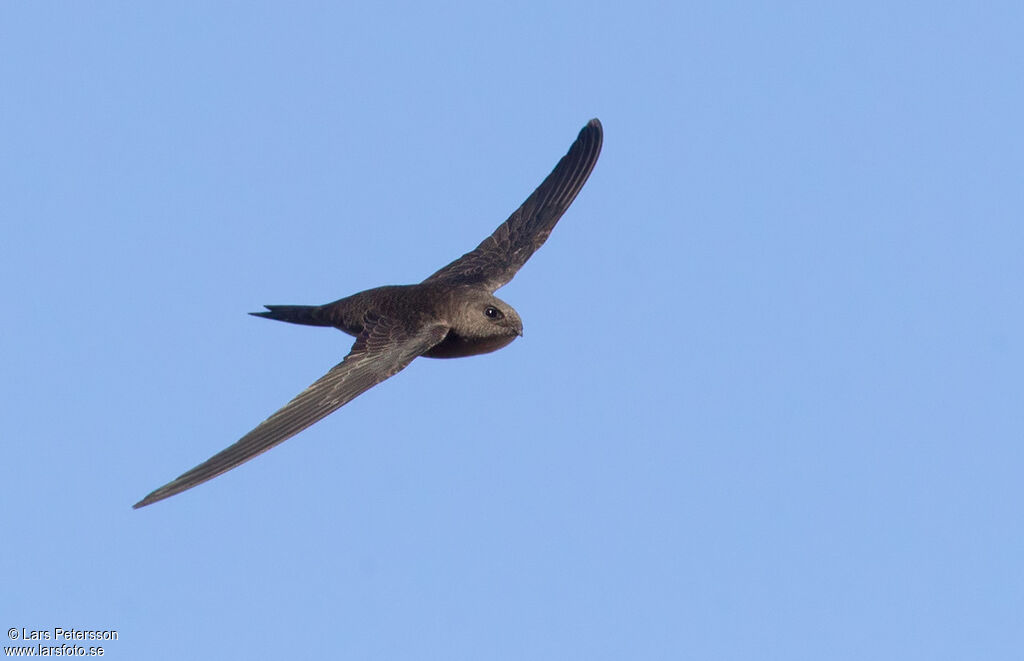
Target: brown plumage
451, 314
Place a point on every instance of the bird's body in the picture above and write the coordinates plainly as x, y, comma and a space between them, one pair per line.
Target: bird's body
423, 303
451, 314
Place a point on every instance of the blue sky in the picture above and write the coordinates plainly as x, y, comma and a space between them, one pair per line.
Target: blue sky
768, 401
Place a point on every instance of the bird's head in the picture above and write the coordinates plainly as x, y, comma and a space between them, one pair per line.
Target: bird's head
479, 315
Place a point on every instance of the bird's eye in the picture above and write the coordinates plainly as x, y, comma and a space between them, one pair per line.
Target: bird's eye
493, 312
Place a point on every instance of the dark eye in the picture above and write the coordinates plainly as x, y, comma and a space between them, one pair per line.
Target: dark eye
493, 312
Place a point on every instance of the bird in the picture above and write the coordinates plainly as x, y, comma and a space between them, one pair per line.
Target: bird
452, 314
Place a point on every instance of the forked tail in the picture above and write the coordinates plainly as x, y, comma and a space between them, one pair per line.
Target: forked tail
310, 315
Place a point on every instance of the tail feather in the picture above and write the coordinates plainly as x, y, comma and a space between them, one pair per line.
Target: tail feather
310, 315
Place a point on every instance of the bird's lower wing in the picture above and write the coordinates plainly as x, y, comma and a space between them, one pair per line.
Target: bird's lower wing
380, 352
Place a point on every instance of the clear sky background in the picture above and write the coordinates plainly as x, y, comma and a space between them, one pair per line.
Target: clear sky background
768, 404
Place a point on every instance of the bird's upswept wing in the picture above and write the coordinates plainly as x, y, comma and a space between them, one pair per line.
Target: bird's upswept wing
382, 350
495, 261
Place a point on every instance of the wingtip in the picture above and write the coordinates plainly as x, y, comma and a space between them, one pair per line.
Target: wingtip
148, 500
157, 495
592, 134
